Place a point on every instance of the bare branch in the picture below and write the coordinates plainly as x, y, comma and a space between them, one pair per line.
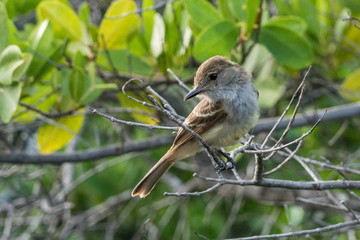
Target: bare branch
181, 83
49, 115
291, 120
285, 161
88, 155
150, 126
301, 233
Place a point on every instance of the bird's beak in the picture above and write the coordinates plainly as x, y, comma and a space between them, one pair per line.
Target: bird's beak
193, 93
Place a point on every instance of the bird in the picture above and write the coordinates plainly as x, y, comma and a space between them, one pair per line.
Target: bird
227, 110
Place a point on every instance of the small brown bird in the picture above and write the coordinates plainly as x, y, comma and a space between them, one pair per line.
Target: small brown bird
227, 110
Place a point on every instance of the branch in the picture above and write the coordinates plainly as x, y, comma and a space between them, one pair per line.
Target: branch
301, 233
87, 155
296, 185
353, 21
49, 115
344, 111
144, 125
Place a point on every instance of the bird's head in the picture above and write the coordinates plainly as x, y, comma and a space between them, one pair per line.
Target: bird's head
216, 75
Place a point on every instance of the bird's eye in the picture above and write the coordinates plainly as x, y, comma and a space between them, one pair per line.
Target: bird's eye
213, 76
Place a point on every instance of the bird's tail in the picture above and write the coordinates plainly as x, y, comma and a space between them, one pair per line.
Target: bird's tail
146, 185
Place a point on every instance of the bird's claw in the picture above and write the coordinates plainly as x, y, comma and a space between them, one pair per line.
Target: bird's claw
230, 163
220, 167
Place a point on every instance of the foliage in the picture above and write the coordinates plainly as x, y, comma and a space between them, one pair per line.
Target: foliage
60, 63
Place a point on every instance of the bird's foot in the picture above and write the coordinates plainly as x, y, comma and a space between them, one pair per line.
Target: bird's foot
230, 163
221, 166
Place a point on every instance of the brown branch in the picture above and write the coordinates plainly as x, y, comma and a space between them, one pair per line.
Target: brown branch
87, 155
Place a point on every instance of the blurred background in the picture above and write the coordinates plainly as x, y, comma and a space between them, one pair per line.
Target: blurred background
67, 173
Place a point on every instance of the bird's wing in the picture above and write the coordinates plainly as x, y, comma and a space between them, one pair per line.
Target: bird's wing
204, 117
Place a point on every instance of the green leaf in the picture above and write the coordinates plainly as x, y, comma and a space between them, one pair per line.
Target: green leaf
9, 97
238, 9
288, 47
41, 41
53, 137
4, 28
66, 101
65, 22
94, 85
124, 63
77, 84
79, 60
293, 23
202, 12
35, 96
20, 71
218, 39
350, 88
10, 59
172, 19
148, 20
252, 7
24, 7
84, 13
117, 29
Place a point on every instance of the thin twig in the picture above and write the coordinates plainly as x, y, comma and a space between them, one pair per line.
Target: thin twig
181, 83
183, 194
286, 109
144, 125
49, 115
287, 144
343, 202
301, 233
283, 162
288, 127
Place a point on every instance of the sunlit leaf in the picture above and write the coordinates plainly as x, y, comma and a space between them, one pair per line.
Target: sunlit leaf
10, 59
9, 97
4, 29
35, 98
84, 13
202, 12
65, 22
118, 25
148, 20
350, 88
158, 36
218, 39
287, 46
41, 40
53, 137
